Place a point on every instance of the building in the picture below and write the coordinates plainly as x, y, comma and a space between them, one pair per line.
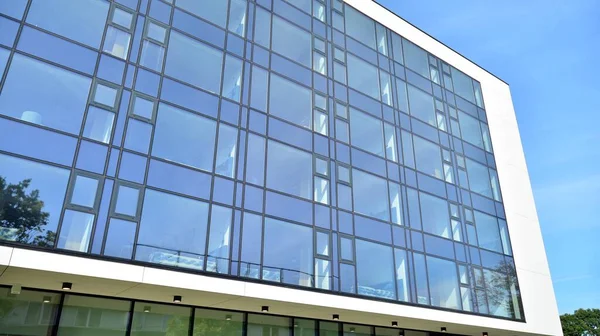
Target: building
261, 167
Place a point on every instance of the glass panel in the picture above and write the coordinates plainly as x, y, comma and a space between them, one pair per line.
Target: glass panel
218, 240
470, 130
402, 275
84, 191
366, 132
82, 21
375, 270
213, 11
421, 279
288, 253
142, 107
30, 313
415, 58
57, 99
255, 163
370, 195
443, 283
237, 17
93, 316
479, 179
98, 124
251, 246
435, 217
182, 242
152, 56
289, 170
120, 238
321, 191
217, 322
127, 201
428, 157
290, 101
291, 41
138, 136
363, 76
179, 133
463, 85
422, 105
263, 325
323, 274
75, 231
116, 42
105, 95
226, 151
232, 78
488, 232
360, 27
152, 319
194, 62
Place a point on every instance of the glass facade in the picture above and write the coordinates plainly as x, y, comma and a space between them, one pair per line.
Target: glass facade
42, 313
293, 142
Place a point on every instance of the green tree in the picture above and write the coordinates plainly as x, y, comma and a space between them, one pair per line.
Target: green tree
584, 322
21, 213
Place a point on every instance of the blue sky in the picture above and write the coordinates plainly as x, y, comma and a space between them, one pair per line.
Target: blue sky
548, 51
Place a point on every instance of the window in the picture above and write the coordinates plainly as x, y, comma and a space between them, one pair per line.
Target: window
82, 21
142, 106
43, 207
57, 99
218, 322
415, 58
421, 105
435, 217
218, 240
84, 191
428, 157
470, 130
288, 253
127, 200
290, 101
375, 270
443, 283
97, 316
182, 242
363, 76
179, 135
226, 151
360, 27
213, 11
237, 17
366, 132
98, 124
370, 195
232, 78
116, 42
262, 325
120, 238
488, 232
157, 319
291, 41
194, 62
402, 274
28, 313
479, 178
289, 170
75, 231
463, 85
105, 95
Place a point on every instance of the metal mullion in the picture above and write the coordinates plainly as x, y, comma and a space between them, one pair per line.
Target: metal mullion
59, 310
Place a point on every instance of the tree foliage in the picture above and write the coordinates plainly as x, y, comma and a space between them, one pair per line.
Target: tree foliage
22, 213
584, 322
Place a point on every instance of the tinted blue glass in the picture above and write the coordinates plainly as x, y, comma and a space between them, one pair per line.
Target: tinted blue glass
13, 8
370, 195
363, 76
288, 250
289, 207
50, 182
290, 69
8, 31
435, 215
421, 105
237, 17
138, 136
133, 167
366, 132
3, 59
251, 246
120, 238
198, 28
253, 198
372, 229
160, 11
375, 270
91, 157
289, 170
213, 11
443, 283
111, 69
290, 101
255, 163
194, 62
488, 232
290, 134
178, 134
182, 242
179, 179
292, 13
57, 100
291, 41
57, 50
222, 191
479, 178
189, 97
347, 278
82, 21
360, 27
75, 231
36, 142
147, 82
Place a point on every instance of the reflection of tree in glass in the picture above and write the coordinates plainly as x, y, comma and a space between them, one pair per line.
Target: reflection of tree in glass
22, 214
502, 290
